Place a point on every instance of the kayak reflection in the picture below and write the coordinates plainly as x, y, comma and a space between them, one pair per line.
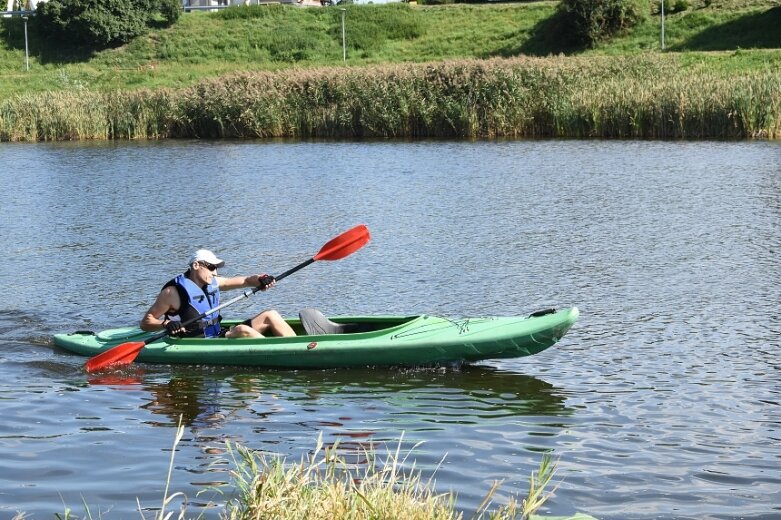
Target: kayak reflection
348, 401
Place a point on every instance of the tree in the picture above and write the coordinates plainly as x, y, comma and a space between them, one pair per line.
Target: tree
591, 21
103, 23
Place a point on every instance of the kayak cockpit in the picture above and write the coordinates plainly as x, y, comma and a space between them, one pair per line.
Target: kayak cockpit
312, 322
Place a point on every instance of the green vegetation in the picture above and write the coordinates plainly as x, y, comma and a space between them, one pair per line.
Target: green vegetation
325, 485
103, 24
588, 22
643, 96
274, 37
278, 72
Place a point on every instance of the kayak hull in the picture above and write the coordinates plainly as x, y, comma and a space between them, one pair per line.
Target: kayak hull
410, 341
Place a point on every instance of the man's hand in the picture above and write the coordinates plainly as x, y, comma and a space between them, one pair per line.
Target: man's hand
175, 328
265, 281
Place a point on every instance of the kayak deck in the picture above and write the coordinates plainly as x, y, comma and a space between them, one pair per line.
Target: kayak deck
385, 340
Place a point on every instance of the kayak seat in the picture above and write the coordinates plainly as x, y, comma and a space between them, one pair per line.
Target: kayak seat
315, 324
543, 312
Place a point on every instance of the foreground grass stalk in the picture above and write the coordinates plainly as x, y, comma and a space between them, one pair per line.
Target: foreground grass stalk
537, 495
166, 498
603, 97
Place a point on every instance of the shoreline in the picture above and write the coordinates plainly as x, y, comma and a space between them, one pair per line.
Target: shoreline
647, 96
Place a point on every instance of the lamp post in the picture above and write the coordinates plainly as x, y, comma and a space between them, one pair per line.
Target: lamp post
344, 39
26, 48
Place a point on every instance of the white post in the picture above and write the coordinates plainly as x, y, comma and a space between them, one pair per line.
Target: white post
26, 48
662, 2
344, 39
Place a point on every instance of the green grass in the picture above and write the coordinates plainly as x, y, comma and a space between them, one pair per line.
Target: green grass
206, 45
411, 71
645, 96
327, 486
723, 26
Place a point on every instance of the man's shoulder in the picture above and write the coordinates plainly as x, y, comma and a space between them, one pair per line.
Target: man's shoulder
171, 283
170, 293
169, 289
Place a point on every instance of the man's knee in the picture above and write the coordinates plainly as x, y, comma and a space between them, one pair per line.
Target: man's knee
242, 331
271, 314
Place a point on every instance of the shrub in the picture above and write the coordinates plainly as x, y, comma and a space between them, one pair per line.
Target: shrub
591, 21
102, 23
671, 6
170, 10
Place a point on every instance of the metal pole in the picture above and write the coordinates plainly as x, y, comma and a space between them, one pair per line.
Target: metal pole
26, 48
662, 1
344, 39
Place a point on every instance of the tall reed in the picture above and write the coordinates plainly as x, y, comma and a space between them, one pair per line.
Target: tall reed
606, 97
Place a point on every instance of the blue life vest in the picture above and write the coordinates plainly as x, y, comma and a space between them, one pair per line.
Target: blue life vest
197, 301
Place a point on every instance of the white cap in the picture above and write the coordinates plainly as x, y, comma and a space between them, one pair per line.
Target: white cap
206, 256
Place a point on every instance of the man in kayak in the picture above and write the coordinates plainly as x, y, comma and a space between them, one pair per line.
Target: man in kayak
197, 291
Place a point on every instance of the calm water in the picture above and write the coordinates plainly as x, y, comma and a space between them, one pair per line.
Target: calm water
662, 402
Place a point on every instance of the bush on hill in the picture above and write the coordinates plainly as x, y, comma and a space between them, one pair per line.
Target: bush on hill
103, 23
591, 21
671, 6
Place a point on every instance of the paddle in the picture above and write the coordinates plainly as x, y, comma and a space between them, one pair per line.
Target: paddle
335, 249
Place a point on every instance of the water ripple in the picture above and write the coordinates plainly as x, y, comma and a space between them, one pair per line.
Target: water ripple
662, 402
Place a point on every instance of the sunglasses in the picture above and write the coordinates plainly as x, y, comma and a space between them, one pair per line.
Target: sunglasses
207, 265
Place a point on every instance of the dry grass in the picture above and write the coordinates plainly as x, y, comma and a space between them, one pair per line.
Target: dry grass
325, 487
647, 96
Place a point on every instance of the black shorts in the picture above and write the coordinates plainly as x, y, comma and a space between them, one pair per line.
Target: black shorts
224, 330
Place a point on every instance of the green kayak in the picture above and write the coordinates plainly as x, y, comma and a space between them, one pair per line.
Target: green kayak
349, 341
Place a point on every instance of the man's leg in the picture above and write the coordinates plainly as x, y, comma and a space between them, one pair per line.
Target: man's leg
267, 323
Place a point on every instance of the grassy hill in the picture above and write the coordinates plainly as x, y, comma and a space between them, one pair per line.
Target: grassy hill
730, 35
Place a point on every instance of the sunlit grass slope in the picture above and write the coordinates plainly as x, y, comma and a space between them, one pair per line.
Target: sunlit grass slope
206, 45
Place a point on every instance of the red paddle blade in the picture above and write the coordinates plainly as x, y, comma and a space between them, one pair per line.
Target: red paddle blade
345, 244
123, 354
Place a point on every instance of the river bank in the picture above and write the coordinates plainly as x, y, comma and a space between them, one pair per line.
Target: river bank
647, 96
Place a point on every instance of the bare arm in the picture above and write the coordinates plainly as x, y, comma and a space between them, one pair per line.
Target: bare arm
167, 301
240, 282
